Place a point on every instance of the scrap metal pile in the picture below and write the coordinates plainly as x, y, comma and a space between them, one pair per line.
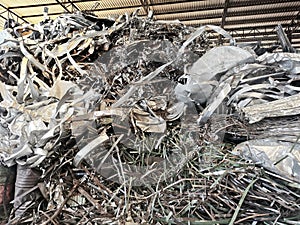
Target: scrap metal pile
135, 121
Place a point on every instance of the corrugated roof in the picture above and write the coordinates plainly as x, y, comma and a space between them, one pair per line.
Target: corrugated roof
247, 20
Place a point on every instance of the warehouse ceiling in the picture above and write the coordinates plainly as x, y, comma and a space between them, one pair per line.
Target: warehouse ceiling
246, 20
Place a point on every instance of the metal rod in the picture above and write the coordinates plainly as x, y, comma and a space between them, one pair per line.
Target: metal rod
232, 13
39, 15
260, 38
145, 5
224, 15
3, 17
213, 6
245, 21
12, 12
49, 4
73, 5
62, 5
197, 9
239, 28
293, 26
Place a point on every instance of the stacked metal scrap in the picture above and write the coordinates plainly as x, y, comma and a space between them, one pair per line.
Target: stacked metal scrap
106, 113
263, 97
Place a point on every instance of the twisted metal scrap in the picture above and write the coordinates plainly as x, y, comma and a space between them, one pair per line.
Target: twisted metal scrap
66, 84
264, 102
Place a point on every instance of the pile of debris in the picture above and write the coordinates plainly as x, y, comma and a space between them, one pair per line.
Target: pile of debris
101, 118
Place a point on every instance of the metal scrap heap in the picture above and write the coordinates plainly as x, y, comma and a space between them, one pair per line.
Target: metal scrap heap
135, 121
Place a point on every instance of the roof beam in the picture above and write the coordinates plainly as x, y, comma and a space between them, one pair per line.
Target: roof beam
63, 6
39, 15
224, 15
12, 12
238, 3
244, 21
82, 1
4, 18
295, 42
50, 4
206, 16
203, 8
252, 34
216, 6
254, 27
263, 42
262, 35
258, 20
229, 14
246, 28
145, 5
263, 38
265, 11
255, 32
73, 5
293, 26
32, 6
